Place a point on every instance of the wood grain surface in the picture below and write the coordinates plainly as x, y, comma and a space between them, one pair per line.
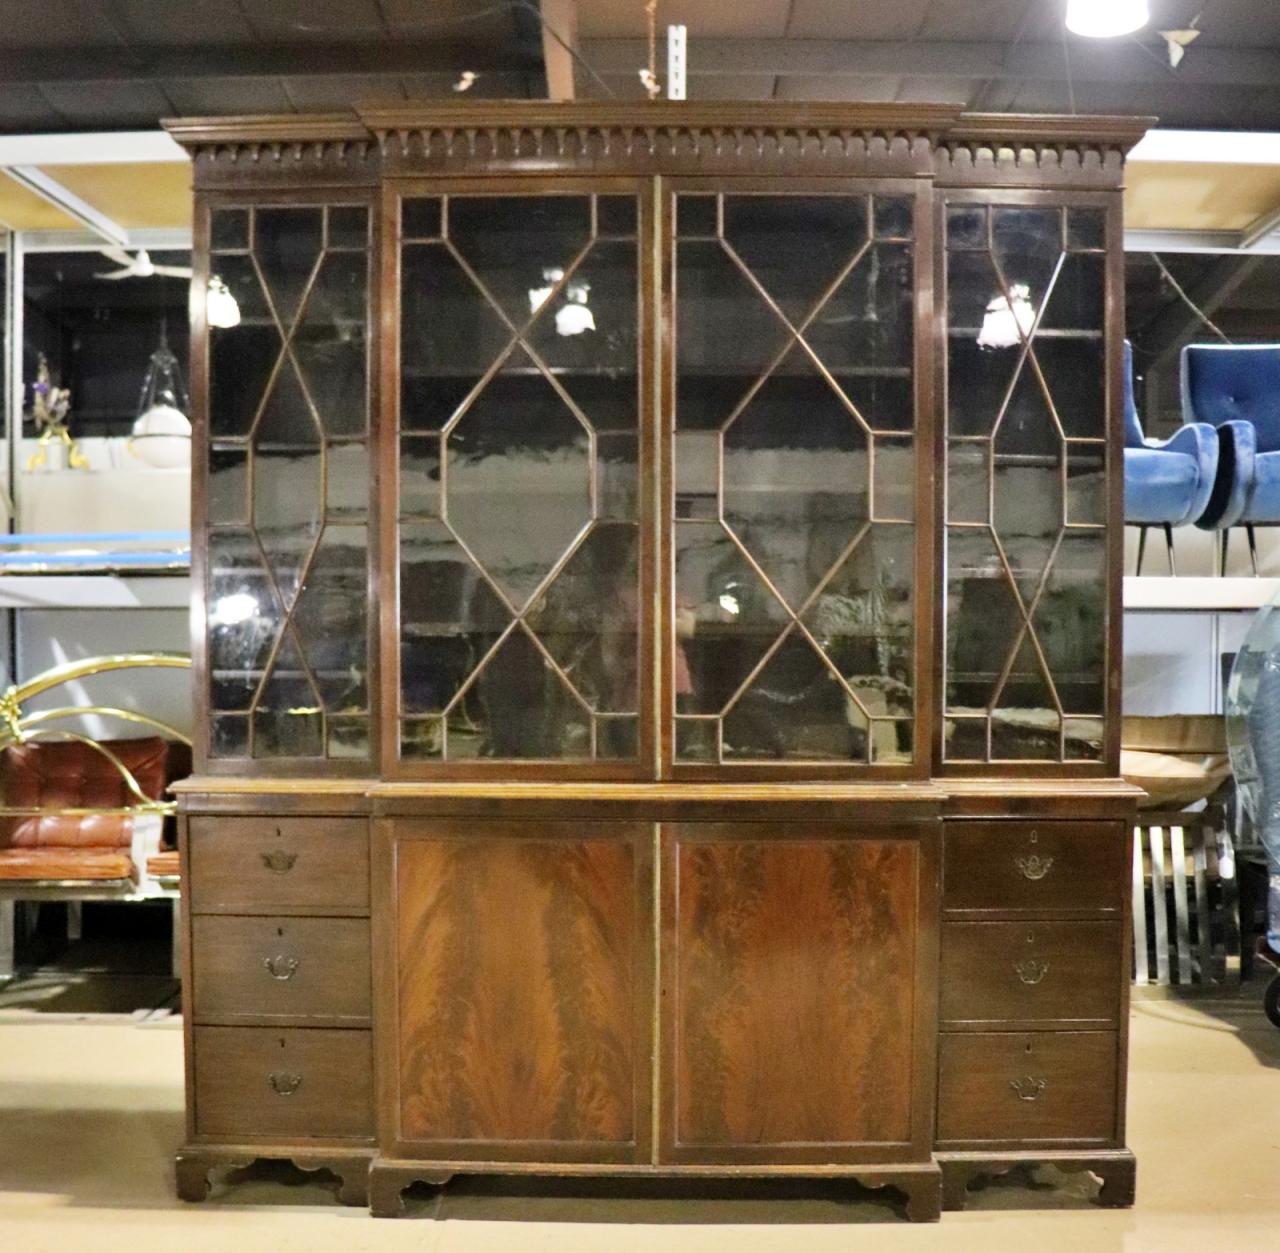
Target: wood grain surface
1038, 1086
517, 960
792, 1011
1030, 973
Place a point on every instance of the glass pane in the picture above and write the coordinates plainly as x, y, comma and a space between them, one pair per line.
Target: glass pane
226, 492
512, 242
1026, 647
287, 244
795, 247
329, 344
228, 229
242, 357
774, 461
519, 482
294, 584
518, 488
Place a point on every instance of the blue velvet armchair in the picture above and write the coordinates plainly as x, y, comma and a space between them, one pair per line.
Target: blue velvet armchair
1236, 388
1166, 483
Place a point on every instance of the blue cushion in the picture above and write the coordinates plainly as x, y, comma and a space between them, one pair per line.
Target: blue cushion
1264, 501
1234, 382
1159, 486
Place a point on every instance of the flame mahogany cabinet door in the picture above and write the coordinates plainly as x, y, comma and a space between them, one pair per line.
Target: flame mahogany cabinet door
798, 963
516, 1022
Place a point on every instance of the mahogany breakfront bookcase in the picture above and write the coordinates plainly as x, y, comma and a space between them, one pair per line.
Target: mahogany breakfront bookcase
656, 630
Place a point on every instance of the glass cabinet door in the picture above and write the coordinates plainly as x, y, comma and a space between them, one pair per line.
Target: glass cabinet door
287, 483
519, 501
794, 479
1026, 547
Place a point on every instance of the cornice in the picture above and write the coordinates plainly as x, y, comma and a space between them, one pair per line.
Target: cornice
677, 135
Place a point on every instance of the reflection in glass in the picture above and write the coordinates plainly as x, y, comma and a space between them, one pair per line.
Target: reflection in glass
1025, 649
519, 484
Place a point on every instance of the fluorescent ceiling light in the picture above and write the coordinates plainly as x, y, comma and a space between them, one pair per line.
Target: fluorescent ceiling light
1105, 19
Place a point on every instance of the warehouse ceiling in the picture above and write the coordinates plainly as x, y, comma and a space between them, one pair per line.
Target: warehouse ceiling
111, 64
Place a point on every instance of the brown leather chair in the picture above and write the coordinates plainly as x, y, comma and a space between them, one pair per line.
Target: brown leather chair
53, 775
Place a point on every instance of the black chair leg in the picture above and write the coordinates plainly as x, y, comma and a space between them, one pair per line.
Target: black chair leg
1168, 543
1253, 547
1142, 547
1222, 551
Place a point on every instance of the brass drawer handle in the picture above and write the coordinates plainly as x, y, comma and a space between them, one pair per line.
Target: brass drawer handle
1031, 970
284, 1082
281, 967
1028, 1088
278, 861
1033, 866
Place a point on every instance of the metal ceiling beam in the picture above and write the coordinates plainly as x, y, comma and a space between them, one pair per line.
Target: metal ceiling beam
71, 64
1177, 325
37, 181
1123, 62
559, 43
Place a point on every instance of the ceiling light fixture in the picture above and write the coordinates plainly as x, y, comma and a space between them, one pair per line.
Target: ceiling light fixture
1105, 19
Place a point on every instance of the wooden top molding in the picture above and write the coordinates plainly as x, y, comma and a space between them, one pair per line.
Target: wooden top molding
676, 137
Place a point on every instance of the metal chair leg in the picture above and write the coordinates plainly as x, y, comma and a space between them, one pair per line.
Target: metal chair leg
1168, 543
1142, 547
1253, 547
1222, 552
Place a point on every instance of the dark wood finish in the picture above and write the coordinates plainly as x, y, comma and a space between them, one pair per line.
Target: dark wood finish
1002, 1088
790, 960
194, 1162
558, 986
522, 1006
1034, 868
281, 971
283, 1083
1029, 974
267, 864
1116, 1168
919, 1184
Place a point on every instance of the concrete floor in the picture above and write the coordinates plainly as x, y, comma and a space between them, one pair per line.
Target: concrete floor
91, 1110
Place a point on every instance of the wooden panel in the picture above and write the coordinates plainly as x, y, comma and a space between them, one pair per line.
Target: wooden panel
279, 865
521, 953
1030, 972
261, 1081
1034, 867
790, 968
281, 968
1032, 1086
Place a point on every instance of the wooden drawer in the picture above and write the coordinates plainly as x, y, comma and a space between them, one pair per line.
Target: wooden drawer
1034, 867
1027, 1086
293, 970
1030, 973
263, 1081
279, 865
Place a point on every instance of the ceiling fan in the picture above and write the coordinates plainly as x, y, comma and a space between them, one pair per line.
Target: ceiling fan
140, 265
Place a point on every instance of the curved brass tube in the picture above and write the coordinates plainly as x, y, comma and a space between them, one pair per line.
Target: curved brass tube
64, 673
17, 727
106, 711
